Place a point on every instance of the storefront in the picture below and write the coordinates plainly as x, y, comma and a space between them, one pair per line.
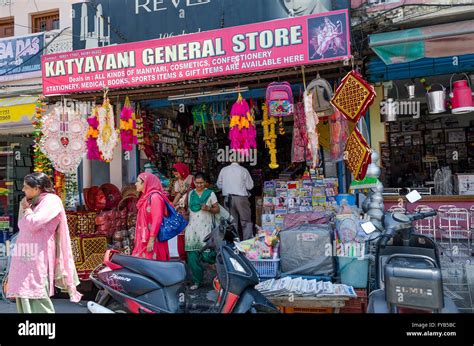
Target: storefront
16, 155
422, 123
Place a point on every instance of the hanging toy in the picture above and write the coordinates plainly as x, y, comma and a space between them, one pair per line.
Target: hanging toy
242, 132
269, 136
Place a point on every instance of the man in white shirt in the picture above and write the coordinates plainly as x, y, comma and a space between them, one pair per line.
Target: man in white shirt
235, 182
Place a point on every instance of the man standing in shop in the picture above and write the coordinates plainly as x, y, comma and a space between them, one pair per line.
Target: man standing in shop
235, 182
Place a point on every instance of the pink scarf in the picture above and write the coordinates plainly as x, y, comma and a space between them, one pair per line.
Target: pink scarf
151, 185
65, 275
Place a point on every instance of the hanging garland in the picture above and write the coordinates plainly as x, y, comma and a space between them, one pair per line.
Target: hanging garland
108, 135
93, 152
40, 162
269, 136
128, 127
60, 185
139, 117
242, 132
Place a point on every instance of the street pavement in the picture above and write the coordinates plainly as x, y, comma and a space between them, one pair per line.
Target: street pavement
60, 305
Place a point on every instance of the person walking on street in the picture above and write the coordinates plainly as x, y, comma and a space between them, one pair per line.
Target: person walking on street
42, 257
235, 182
151, 210
203, 207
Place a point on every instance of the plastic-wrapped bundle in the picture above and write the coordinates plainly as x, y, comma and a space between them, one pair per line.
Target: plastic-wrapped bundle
443, 179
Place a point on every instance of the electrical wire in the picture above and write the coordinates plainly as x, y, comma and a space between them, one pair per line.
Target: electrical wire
370, 20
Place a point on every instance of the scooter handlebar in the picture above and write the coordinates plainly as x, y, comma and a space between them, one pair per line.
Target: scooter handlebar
419, 216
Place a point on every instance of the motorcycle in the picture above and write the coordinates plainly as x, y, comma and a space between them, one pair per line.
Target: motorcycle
407, 269
137, 285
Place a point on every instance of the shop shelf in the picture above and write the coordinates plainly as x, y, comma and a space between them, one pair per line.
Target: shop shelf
266, 268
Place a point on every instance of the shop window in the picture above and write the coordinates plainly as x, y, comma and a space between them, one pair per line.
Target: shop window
45, 21
7, 27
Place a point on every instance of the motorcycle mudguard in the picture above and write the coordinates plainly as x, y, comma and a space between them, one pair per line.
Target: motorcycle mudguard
251, 298
378, 304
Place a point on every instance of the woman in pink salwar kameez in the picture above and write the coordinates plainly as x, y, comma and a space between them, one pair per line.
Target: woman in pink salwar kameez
151, 209
42, 258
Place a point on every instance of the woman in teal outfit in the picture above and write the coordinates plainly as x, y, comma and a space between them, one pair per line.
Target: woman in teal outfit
203, 207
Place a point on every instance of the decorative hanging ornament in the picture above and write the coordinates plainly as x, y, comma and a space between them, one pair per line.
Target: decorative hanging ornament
353, 96
64, 138
41, 163
242, 132
312, 121
93, 152
269, 136
128, 127
108, 136
357, 155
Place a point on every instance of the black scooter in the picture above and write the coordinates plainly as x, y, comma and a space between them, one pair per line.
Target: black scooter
408, 270
136, 285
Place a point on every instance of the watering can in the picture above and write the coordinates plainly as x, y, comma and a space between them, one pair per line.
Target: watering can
436, 100
461, 96
389, 108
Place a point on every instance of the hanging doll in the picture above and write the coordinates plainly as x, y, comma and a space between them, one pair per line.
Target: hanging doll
242, 132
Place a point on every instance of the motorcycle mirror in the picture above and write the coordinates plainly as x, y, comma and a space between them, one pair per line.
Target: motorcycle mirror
413, 196
368, 227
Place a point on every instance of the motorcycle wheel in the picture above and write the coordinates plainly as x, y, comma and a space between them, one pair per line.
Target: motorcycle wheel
106, 300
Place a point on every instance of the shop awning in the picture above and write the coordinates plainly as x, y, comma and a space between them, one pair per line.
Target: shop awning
426, 42
17, 111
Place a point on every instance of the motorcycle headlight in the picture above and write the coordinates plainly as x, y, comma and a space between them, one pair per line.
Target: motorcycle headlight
237, 266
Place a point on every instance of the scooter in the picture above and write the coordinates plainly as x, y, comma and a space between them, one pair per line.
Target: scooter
137, 285
408, 269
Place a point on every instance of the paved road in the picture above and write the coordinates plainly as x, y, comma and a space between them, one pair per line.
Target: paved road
60, 305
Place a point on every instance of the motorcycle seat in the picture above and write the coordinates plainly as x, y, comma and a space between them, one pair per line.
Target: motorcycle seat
165, 273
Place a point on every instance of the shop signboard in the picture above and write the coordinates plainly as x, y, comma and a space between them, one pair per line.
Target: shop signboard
20, 57
243, 49
17, 111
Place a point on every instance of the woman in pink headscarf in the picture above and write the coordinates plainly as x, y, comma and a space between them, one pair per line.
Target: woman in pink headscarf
151, 210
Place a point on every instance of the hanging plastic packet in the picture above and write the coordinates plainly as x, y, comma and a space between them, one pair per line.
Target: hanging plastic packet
339, 131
